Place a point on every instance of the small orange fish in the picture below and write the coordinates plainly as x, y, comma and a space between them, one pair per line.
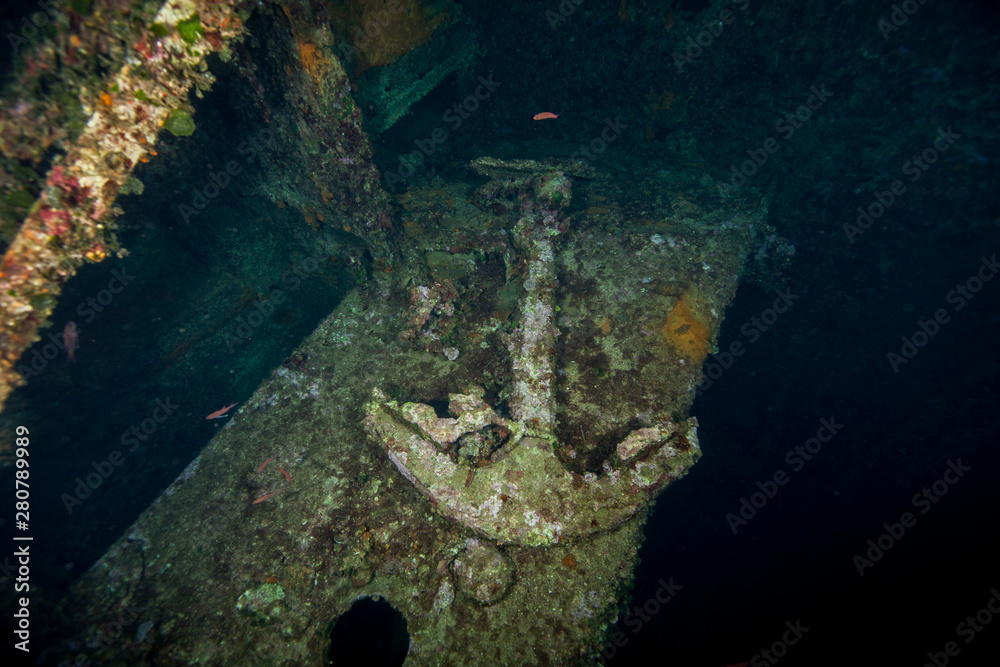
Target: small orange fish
285, 473
264, 464
220, 414
70, 337
266, 496
545, 114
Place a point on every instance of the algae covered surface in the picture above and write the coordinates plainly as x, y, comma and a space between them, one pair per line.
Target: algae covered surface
301, 506
91, 98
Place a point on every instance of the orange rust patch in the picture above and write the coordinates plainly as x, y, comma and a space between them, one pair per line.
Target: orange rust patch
106, 99
569, 560
686, 328
604, 325
271, 580
313, 61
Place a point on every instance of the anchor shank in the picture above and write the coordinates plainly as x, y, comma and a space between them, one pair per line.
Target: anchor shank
532, 345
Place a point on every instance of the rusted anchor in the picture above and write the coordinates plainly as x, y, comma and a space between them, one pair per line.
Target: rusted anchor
523, 493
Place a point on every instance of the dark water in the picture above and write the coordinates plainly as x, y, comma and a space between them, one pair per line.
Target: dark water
845, 509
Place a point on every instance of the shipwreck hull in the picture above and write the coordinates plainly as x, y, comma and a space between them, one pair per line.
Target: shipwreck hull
641, 272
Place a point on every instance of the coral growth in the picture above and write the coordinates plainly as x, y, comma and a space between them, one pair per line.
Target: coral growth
334, 183
106, 121
438, 301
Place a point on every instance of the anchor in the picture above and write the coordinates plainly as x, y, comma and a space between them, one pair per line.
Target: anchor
520, 491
